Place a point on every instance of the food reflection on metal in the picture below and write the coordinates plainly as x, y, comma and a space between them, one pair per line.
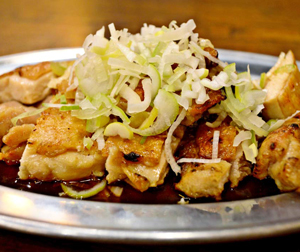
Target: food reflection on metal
228, 212
16, 204
19, 205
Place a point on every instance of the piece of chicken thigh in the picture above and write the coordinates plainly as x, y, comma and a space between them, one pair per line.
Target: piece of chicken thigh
279, 156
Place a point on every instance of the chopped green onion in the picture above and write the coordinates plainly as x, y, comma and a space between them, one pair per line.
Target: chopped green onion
143, 139
238, 106
150, 119
95, 123
87, 142
63, 99
117, 128
26, 114
262, 80
253, 138
69, 107
83, 193
137, 119
58, 68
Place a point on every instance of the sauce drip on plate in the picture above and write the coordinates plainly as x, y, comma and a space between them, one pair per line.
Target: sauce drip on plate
164, 194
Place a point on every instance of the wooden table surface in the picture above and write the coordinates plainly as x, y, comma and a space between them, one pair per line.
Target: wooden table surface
259, 26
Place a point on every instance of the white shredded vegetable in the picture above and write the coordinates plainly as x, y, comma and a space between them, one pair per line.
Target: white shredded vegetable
241, 136
215, 145
277, 123
199, 160
162, 70
26, 114
168, 148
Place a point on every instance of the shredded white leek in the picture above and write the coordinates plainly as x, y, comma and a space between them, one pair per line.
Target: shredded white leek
222, 115
26, 114
215, 146
168, 148
275, 124
199, 160
241, 136
168, 65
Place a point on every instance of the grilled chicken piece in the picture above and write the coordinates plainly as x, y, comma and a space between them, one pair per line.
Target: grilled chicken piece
202, 180
27, 84
12, 155
196, 111
17, 135
14, 137
8, 111
234, 155
208, 180
279, 156
62, 84
55, 150
204, 138
15, 142
240, 168
140, 165
283, 88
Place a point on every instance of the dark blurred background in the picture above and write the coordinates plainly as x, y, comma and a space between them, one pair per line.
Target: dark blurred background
262, 26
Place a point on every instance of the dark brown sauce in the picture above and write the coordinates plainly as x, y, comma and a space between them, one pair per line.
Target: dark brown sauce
163, 194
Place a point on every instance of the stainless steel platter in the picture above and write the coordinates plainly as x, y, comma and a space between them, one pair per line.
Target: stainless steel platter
135, 223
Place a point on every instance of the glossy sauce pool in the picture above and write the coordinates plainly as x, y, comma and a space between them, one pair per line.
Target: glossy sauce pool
164, 194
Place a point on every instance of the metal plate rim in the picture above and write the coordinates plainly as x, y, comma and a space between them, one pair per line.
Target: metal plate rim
133, 223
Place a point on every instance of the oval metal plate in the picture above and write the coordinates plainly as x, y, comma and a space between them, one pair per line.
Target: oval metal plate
136, 223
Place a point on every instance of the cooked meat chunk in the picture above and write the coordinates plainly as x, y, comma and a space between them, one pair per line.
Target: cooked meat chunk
8, 111
27, 84
61, 83
147, 153
17, 135
226, 151
12, 155
15, 142
204, 138
62, 87
14, 137
141, 165
240, 168
57, 132
207, 180
196, 111
234, 155
55, 149
279, 156
34, 72
204, 180
283, 88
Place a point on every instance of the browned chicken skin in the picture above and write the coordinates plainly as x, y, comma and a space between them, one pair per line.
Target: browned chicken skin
57, 132
14, 137
140, 165
208, 180
204, 138
279, 156
196, 111
28, 84
55, 149
283, 88
202, 180
33, 72
8, 111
